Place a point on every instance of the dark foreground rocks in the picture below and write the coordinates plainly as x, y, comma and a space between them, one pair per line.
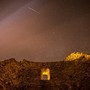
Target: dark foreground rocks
26, 75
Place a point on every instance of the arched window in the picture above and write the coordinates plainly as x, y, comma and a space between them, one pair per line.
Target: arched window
45, 74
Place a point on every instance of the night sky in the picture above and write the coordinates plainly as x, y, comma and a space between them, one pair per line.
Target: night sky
43, 30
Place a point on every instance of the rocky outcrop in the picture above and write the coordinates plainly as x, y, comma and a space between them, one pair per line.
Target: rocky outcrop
26, 75
77, 55
3, 86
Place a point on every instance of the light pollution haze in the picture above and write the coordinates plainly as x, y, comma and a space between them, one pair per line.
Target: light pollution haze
59, 28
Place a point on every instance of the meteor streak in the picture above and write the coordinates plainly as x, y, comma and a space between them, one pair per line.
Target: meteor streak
33, 10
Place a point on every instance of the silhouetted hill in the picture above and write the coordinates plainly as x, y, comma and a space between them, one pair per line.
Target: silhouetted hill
26, 75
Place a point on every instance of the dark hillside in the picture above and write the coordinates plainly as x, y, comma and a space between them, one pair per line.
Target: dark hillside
26, 75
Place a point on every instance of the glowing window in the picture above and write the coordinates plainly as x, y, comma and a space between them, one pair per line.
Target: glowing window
45, 74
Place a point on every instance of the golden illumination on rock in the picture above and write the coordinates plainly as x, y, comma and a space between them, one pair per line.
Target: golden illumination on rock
77, 55
87, 56
45, 74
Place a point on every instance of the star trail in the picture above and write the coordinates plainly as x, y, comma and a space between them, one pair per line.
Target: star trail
43, 30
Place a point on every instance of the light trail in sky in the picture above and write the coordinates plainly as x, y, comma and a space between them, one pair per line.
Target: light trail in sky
33, 10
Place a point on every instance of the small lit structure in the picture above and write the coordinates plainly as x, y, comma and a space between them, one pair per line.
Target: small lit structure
45, 74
